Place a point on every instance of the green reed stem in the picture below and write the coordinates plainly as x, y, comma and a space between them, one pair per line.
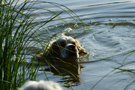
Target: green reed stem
16, 32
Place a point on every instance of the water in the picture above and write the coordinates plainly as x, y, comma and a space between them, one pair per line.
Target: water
113, 25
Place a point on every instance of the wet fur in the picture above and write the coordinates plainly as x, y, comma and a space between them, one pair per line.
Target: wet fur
54, 49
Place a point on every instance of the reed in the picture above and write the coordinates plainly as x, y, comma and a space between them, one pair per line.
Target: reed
15, 26
16, 31
129, 71
121, 69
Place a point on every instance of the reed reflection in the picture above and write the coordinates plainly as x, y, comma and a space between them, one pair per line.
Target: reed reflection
69, 71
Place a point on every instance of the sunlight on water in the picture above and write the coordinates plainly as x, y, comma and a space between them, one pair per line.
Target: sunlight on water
110, 36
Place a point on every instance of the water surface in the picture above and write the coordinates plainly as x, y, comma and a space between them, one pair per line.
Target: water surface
112, 23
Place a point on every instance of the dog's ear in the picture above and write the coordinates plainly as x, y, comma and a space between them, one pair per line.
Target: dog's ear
81, 50
53, 50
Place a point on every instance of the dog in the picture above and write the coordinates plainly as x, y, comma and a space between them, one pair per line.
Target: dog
64, 48
41, 85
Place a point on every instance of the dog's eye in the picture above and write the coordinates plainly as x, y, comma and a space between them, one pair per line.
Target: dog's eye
62, 44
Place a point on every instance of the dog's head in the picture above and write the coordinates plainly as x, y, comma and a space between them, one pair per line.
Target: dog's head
66, 47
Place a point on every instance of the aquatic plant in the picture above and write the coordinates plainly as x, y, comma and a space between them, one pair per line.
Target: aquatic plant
121, 69
16, 31
129, 71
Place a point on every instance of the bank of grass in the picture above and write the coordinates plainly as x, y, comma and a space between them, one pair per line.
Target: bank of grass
16, 33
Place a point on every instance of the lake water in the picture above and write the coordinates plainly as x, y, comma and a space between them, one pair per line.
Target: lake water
108, 35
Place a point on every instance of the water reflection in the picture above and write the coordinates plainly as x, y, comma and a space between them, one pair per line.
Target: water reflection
113, 25
69, 71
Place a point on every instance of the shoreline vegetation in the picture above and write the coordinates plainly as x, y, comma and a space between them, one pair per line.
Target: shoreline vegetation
18, 27
15, 34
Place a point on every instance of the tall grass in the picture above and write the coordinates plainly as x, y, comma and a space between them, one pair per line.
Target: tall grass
17, 27
16, 30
